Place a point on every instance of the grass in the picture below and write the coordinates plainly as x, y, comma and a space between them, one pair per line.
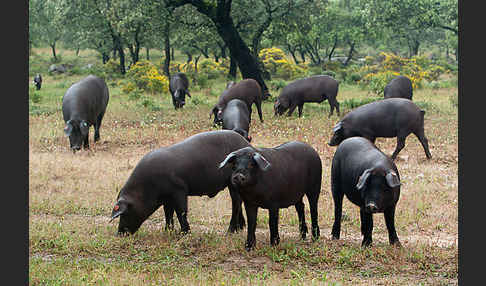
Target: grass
71, 196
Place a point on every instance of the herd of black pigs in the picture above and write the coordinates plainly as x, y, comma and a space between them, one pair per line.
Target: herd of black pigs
269, 178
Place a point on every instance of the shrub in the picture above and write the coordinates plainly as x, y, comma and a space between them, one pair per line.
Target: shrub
35, 97
211, 68
277, 84
275, 62
145, 76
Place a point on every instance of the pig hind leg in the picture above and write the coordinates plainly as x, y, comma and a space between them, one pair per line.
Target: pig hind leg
366, 227
313, 199
258, 104
423, 140
337, 197
299, 207
333, 103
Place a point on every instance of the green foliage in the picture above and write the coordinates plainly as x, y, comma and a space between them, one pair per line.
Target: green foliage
35, 97
356, 102
277, 84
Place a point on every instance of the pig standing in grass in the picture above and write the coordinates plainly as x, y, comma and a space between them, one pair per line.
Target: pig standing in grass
38, 81
168, 175
236, 117
84, 104
400, 87
370, 180
275, 178
392, 117
247, 90
311, 89
178, 87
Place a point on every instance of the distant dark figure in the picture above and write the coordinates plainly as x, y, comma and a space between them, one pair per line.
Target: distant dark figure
38, 81
392, 117
400, 87
84, 104
370, 180
311, 89
178, 86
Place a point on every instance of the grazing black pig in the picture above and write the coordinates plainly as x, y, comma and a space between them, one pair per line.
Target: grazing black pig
370, 180
401, 87
38, 81
247, 90
392, 117
236, 117
274, 178
178, 87
168, 175
84, 104
311, 89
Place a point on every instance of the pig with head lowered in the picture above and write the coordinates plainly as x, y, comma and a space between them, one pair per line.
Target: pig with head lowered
310, 89
400, 87
275, 178
84, 104
178, 87
166, 176
247, 90
392, 117
370, 180
236, 117
38, 81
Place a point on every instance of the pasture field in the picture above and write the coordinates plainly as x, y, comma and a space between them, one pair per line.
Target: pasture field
71, 197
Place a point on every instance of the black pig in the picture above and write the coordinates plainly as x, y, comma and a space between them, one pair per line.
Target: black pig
168, 175
274, 178
370, 180
401, 87
236, 117
311, 89
178, 87
392, 117
38, 81
84, 104
247, 90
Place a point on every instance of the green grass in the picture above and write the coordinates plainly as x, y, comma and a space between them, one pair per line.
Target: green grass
71, 197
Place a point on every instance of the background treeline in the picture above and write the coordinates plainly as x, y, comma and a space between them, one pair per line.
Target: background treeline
355, 41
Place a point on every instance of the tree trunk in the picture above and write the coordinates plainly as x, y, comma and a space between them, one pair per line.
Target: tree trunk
233, 68
350, 54
53, 48
172, 53
333, 47
147, 54
167, 49
221, 17
105, 57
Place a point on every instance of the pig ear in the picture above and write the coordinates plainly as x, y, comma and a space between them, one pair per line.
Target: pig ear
229, 159
69, 128
392, 179
261, 161
363, 178
337, 127
119, 208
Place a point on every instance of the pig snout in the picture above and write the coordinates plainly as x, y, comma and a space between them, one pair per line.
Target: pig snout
371, 207
238, 179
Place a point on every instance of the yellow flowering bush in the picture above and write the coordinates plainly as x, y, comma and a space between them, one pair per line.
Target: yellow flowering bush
144, 76
417, 69
212, 68
275, 62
